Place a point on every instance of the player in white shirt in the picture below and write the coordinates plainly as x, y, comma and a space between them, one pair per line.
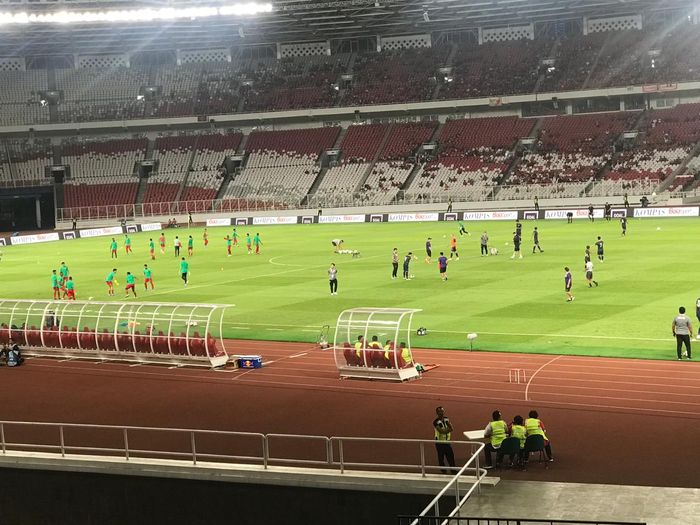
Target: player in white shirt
589, 275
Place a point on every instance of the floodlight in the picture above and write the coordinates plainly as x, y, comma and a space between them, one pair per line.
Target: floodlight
133, 15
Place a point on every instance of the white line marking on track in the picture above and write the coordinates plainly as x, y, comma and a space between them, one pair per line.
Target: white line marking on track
527, 387
135, 364
612, 337
298, 355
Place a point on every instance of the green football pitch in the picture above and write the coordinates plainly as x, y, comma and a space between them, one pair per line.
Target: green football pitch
513, 305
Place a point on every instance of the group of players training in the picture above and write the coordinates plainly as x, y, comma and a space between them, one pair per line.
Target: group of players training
64, 287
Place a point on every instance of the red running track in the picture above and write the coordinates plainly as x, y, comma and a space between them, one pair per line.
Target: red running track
619, 421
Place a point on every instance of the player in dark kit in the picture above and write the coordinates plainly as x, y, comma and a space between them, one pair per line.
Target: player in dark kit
590, 213
406, 262
623, 225
587, 256
607, 211
536, 240
428, 250
442, 266
568, 282
601, 251
516, 245
519, 228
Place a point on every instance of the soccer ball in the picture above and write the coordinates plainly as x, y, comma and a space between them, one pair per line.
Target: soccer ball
506, 244
89, 298
658, 228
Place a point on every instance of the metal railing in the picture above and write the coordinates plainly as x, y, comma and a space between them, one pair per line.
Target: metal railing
434, 520
432, 509
340, 454
348, 200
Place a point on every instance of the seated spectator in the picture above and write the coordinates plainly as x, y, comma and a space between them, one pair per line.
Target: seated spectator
359, 345
534, 426
375, 344
496, 431
406, 357
14, 355
518, 430
3, 355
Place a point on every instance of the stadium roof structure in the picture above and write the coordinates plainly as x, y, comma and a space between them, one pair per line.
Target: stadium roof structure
290, 21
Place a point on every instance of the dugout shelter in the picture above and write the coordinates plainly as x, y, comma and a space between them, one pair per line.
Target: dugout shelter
390, 357
171, 333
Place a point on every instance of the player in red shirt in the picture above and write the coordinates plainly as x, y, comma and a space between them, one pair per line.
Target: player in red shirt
205, 236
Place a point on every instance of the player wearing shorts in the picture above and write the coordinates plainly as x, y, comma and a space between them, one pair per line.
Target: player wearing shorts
184, 270
161, 240
235, 237
516, 245
406, 263
623, 225
568, 282
519, 228
70, 289
130, 284
113, 248
127, 244
485, 244
109, 280
600, 249
257, 243
55, 286
587, 255
536, 240
591, 216
453, 247
462, 229
63, 272
147, 277
228, 245
205, 238
442, 266
247, 243
177, 243
429, 250
589, 275
152, 249
190, 245
394, 263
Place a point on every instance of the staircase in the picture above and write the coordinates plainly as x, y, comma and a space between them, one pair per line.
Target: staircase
222, 189
242, 145
341, 137
149, 149
534, 132
448, 63
369, 169
190, 161
417, 168
141, 191
680, 169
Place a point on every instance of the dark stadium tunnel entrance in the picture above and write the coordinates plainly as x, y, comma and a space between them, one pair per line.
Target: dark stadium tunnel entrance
27, 209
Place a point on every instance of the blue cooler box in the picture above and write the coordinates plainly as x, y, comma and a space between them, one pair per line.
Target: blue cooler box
249, 361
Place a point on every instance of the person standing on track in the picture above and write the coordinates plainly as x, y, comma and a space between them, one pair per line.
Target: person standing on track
443, 435
682, 329
394, 263
333, 279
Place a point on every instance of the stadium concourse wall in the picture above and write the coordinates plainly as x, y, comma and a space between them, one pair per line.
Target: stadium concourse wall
267, 219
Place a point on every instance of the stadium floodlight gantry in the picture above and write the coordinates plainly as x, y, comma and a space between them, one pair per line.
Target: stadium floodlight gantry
173, 333
375, 343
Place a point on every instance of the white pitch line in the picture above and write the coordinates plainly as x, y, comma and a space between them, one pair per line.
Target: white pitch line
240, 328
527, 387
274, 329
272, 259
298, 355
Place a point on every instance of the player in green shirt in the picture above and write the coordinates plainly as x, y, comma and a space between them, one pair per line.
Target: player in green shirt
113, 248
257, 242
70, 289
152, 249
130, 284
147, 277
56, 285
63, 271
110, 280
235, 237
190, 245
462, 229
127, 244
228, 245
184, 270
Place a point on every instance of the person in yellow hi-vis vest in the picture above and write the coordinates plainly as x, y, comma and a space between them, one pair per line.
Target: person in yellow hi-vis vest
518, 430
443, 435
496, 431
534, 426
359, 345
